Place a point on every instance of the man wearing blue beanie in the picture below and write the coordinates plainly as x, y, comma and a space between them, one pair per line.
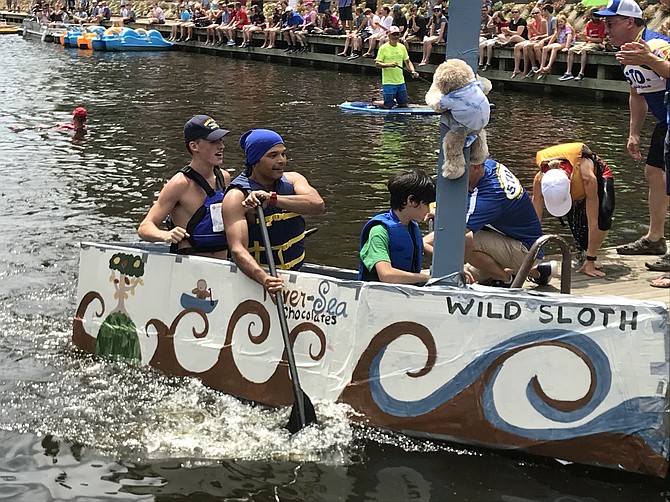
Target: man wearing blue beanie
286, 197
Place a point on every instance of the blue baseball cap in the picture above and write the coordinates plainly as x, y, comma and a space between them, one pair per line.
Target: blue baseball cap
625, 8
203, 127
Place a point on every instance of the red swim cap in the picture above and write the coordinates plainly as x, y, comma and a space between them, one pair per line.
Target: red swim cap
80, 112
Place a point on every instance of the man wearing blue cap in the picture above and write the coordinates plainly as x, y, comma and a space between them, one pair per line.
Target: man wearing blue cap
191, 200
625, 24
285, 196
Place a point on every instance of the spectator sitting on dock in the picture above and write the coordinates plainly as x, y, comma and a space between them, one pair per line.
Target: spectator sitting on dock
417, 27
57, 16
594, 40
574, 182
293, 22
215, 16
534, 51
537, 30
128, 14
360, 22
330, 26
186, 28
184, 17
188, 196
437, 33
380, 27
106, 12
156, 16
309, 23
399, 18
501, 227
238, 20
497, 22
80, 16
256, 22
226, 15
285, 196
561, 40
516, 32
391, 244
272, 27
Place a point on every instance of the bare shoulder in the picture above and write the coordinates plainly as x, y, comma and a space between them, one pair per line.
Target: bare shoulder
295, 177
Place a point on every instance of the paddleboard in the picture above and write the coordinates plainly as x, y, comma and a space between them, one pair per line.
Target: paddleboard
367, 107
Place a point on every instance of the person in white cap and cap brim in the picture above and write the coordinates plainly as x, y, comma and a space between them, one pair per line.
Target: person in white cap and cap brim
574, 182
625, 24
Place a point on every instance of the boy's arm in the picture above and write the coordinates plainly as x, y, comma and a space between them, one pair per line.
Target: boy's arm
167, 200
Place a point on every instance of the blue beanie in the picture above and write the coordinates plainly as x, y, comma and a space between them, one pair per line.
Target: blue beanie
256, 143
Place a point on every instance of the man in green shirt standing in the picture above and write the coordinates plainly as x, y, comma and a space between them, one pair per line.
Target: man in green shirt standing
390, 58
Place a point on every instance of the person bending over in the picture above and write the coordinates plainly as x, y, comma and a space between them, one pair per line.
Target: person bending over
285, 196
188, 200
391, 248
574, 182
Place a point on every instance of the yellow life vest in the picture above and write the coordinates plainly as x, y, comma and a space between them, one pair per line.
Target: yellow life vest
572, 152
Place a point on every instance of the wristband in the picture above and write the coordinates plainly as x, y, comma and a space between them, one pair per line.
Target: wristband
591, 258
273, 199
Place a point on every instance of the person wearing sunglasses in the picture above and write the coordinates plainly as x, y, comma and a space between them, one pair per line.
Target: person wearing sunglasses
625, 24
516, 32
437, 33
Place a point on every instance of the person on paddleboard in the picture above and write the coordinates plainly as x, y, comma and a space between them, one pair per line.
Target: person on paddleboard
390, 58
285, 197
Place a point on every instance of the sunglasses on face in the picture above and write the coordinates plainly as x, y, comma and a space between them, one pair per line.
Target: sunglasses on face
515, 12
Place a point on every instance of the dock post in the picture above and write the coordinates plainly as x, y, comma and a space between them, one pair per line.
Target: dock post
462, 43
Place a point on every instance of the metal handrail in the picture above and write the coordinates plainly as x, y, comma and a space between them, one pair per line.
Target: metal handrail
566, 264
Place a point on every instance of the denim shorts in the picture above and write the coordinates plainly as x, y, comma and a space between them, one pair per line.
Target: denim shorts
395, 93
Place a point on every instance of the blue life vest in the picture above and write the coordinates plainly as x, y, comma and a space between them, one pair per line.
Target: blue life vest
285, 228
405, 245
205, 227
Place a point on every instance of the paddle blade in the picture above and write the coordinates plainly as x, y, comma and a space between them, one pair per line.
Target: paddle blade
294, 423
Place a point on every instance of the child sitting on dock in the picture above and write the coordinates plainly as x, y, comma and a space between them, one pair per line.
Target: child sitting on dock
391, 247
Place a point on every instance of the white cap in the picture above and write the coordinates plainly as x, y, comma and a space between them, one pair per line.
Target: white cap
626, 8
556, 192
288, 9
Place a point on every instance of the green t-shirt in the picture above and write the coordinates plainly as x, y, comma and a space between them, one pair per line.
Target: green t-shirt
376, 248
389, 54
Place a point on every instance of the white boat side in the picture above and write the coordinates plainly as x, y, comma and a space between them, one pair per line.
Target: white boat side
581, 379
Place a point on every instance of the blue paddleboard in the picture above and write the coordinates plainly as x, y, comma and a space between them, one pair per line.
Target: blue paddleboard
367, 107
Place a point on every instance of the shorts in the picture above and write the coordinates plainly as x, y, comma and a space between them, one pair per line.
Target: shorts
580, 47
655, 155
395, 93
507, 251
345, 13
323, 7
364, 35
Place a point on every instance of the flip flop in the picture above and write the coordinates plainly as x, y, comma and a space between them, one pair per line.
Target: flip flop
661, 282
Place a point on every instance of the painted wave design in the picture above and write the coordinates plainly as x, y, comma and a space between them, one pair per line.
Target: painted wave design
489, 364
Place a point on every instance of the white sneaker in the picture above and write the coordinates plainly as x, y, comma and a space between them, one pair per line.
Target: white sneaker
566, 76
579, 77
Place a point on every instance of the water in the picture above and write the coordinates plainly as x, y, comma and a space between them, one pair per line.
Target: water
73, 428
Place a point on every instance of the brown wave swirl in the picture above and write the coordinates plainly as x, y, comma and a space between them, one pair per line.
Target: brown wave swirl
80, 338
357, 393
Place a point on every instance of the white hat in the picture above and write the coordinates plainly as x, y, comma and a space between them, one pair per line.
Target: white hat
626, 8
288, 9
556, 192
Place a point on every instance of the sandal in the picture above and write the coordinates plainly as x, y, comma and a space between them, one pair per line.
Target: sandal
643, 246
515, 73
660, 265
661, 282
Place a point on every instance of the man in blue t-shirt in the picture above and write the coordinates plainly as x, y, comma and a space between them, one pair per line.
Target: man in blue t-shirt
501, 226
625, 24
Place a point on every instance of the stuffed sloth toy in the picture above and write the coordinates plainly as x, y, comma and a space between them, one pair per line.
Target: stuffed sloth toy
461, 98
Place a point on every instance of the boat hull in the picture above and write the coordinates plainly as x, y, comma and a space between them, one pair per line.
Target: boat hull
578, 379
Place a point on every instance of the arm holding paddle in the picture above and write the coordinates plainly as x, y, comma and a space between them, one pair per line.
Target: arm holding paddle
234, 211
305, 201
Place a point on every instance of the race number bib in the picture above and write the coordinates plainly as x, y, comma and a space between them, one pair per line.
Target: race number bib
217, 217
508, 182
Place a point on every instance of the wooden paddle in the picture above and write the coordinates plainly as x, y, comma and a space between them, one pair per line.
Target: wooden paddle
302, 413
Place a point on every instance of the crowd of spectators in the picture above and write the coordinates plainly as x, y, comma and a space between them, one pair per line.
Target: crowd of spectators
534, 32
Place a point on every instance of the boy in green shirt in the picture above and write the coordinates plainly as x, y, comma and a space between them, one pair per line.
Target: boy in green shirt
390, 58
391, 243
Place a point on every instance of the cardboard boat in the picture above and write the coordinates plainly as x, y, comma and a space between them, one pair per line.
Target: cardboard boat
580, 379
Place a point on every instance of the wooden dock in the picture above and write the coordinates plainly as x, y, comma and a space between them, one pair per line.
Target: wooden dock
626, 276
